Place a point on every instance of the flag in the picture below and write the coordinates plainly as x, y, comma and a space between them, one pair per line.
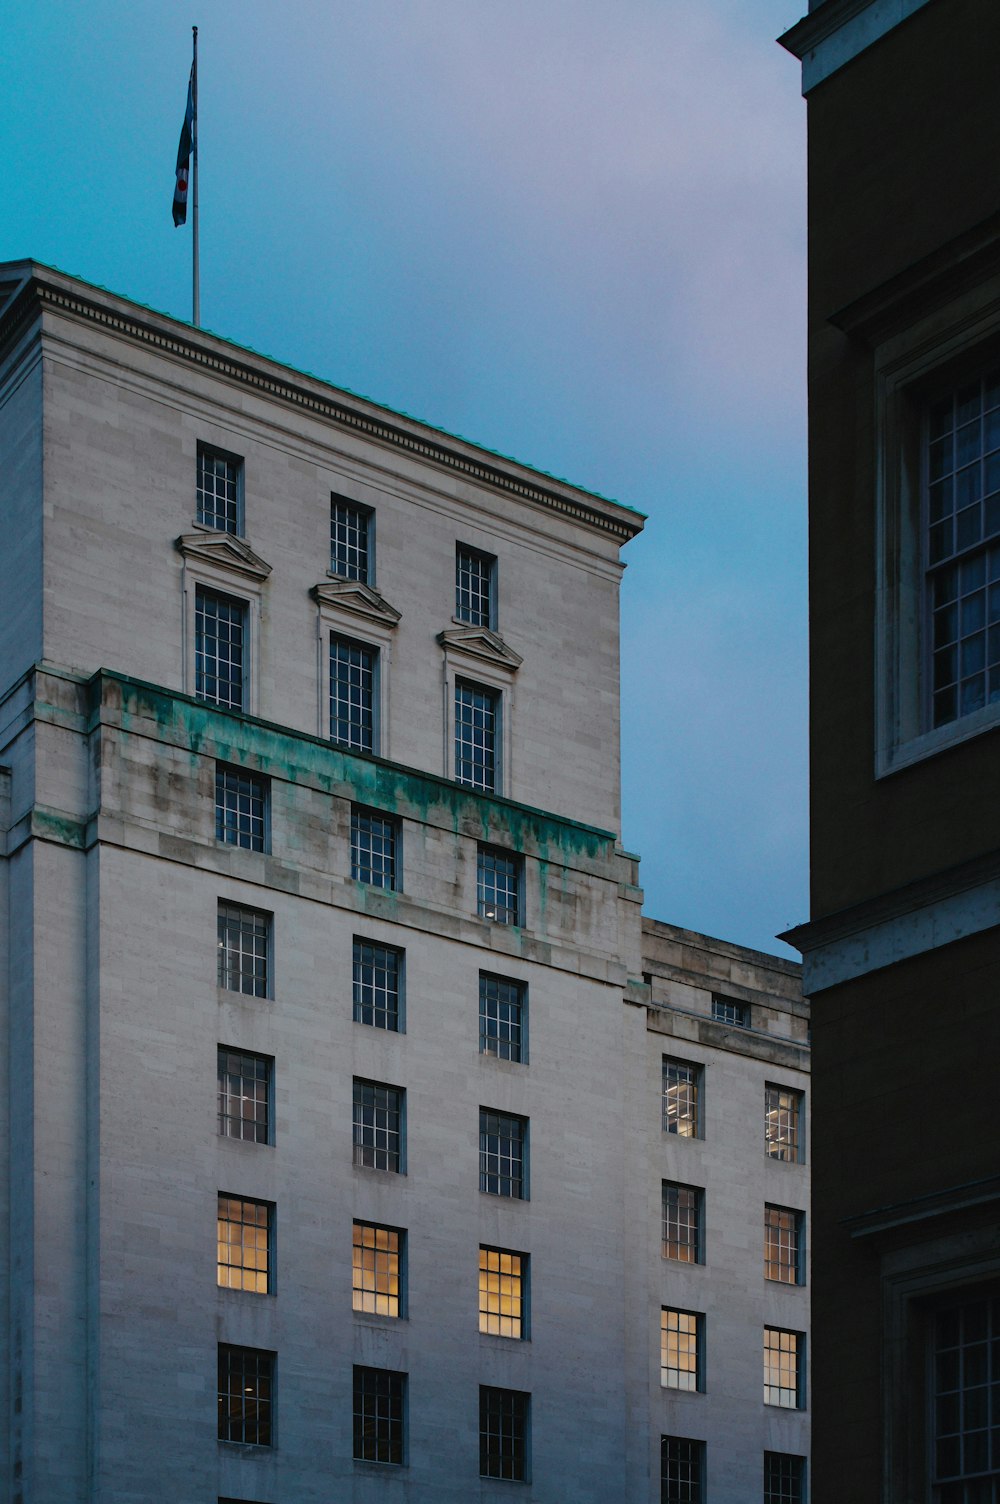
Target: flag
184, 157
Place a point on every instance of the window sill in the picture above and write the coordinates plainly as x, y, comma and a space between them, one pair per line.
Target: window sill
894, 757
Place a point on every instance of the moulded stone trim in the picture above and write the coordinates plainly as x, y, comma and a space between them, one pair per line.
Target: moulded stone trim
481, 644
362, 600
224, 552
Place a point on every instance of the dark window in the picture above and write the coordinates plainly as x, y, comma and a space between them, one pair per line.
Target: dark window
681, 1097
501, 1017
379, 1420
784, 1373
379, 1254
502, 1144
246, 1388
783, 1245
245, 1091
682, 1470
352, 536
475, 587
783, 1475
966, 1381
783, 1123
374, 853
245, 1230
377, 975
499, 885
503, 1433
219, 649
244, 950
353, 680
726, 1010
220, 490
503, 1289
683, 1207
240, 808
477, 746
378, 1126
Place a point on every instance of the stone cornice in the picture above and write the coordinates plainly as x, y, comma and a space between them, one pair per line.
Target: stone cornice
837, 31
481, 643
362, 600
224, 552
53, 291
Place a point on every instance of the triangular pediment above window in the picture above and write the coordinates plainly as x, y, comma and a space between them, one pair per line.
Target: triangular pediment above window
225, 552
362, 600
481, 643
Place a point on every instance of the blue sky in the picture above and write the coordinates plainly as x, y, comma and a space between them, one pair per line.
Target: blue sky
569, 230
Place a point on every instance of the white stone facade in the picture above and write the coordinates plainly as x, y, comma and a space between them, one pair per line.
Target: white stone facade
111, 877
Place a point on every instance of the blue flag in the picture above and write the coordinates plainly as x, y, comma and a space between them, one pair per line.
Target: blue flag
184, 157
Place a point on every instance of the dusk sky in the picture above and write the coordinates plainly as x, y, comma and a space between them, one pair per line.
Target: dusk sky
568, 230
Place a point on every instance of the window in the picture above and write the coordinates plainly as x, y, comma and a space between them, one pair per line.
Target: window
379, 1418
220, 490
681, 1098
241, 808
353, 690
477, 740
246, 1088
245, 1251
499, 886
682, 1470
244, 950
378, 1269
783, 1476
502, 1017
378, 971
378, 1126
782, 1123
503, 1284
966, 1371
502, 1154
783, 1370
475, 587
681, 1350
220, 627
374, 849
683, 1215
783, 1245
246, 1393
352, 540
726, 1010
503, 1433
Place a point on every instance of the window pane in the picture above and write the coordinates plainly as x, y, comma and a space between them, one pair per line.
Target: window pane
244, 1096
244, 1244
240, 808
681, 1092
501, 1154
377, 1125
682, 1206
782, 1368
474, 576
349, 540
966, 1368
219, 491
377, 1258
498, 886
726, 1010
680, 1349
783, 1474
378, 1415
246, 1379
352, 694
782, 1236
476, 728
501, 1286
220, 628
244, 936
503, 1415
681, 1470
501, 1016
373, 849
376, 984
781, 1122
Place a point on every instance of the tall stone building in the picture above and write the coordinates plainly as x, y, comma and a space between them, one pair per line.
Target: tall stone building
362, 1142
902, 951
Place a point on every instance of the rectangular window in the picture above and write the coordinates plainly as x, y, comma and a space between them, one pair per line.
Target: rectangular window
502, 1017
378, 1126
244, 950
378, 1269
681, 1097
352, 538
499, 886
246, 1089
726, 1010
220, 657
374, 849
683, 1215
502, 1146
783, 1478
681, 1349
353, 686
475, 587
682, 1470
378, 973
220, 490
477, 741
966, 1372
783, 1123
783, 1245
783, 1371
245, 1244
503, 1433
379, 1415
241, 808
503, 1284
246, 1394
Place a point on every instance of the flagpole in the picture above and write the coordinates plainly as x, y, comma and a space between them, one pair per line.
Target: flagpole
195, 268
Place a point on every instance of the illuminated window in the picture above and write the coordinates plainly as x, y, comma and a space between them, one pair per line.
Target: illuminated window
245, 1233
220, 659
783, 1478
220, 490
374, 848
783, 1123
378, 973
499, 885
503, 1280
502, 1154
240, 808
682, 1340
783, 1245
378, 1126
477, 737
503, 1433
352, 540
246, 1391
353, 690
966, 1384
501, 1017
379, 1415
681, 1097
246, 1088
378, 1269
475, 587
726, 1010
244, 950
682, 1470
784, 1375
683, 1208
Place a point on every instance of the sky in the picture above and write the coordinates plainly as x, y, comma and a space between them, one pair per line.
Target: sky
570, 230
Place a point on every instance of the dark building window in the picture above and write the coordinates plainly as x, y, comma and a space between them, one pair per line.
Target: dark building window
220, 629
245, 1230
501, 1017
477, 744
378, 1269
783, 1123
353, 683
681, 1097
374, 849
475, 587
726, 1010
244, 950
378, 1126
783, 1245
682, 1470
502, 1154
377, 976
352, 537
240, 808
246, 1392
245, 1094
379, 1415
966, 1409
783, 1478
499, 885
503, 1433
683, 1209
220, 490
